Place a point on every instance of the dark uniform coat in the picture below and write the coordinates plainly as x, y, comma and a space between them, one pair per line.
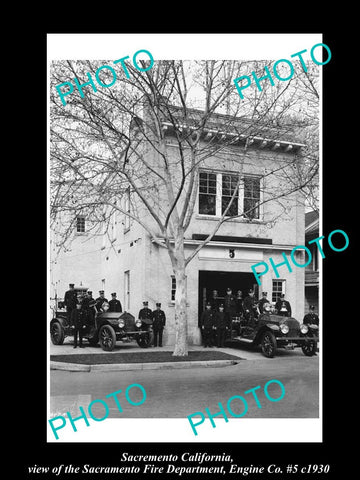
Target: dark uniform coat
283, 304
239, 305
99, 302
221, 324
70, 299
311, 318
159, 319
215, 302
230, 304
262, 302
207, 325
221, 320
115, 305
207, 319
145, 314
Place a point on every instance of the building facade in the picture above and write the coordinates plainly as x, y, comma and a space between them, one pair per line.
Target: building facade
129, 262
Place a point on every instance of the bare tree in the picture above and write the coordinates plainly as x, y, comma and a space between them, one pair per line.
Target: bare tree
114, 142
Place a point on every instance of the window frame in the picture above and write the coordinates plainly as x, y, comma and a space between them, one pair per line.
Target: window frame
279, 292
82, 219
240, 196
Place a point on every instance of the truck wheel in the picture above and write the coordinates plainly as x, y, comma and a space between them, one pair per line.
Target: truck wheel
268, 344
144, 340
57, 333
309, 348
107, 338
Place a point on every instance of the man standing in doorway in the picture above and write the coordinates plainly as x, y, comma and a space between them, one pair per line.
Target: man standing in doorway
207, 325
229, 305
215, 301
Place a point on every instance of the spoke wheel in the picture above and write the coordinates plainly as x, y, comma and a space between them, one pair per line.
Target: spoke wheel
107, 338
57, 333
309, 348
268, 344
144, 340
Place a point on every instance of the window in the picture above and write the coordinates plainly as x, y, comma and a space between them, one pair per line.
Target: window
278, 287
217, 189
207, 193
127, 209
80, 224
173, 288
229, 188
251, 197
127, 290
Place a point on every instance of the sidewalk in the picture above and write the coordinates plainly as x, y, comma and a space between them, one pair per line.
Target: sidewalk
126, 348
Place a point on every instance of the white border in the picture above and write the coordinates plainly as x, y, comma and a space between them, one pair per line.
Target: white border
187, 47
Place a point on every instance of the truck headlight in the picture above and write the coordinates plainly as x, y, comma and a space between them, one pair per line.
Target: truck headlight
284, 328
304, 328
138, 323
121, 323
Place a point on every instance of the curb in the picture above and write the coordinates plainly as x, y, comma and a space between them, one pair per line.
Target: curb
113, 367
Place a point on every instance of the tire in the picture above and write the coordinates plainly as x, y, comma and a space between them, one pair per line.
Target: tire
57, 333
107, 338
268, 344
309, 348
145, 340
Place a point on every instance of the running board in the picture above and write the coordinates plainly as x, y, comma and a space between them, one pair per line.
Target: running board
242, 339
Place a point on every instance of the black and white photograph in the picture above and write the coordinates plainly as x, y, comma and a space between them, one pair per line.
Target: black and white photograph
185, 243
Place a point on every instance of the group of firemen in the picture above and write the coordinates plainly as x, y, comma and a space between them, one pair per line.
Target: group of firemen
82, 309
217, 317
214, 321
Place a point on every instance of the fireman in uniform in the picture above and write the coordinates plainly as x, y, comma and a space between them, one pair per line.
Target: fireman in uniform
229, 304
283, 306
159, 320
215, 301
262, 302
78, 322
100, 300
221, 325
145, 313
311, 317
88, 305
70, 300
207, 325
115, 304
250, 308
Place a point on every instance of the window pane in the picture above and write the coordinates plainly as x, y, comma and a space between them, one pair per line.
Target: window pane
251, 197
207, 193
207, 204
233, 210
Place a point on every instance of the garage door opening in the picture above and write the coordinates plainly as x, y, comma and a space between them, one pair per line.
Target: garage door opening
220, 281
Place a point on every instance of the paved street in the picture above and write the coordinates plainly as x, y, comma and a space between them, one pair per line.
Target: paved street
180, 392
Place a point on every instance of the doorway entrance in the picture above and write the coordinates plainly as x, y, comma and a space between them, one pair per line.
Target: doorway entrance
220, 281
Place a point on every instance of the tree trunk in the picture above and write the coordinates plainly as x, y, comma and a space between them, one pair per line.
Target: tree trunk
181, 347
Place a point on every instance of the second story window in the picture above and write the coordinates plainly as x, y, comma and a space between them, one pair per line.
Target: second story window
251, 197
216, 190
207, 193
229, 188
80, 224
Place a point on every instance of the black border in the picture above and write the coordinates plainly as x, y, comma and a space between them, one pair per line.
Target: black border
339, 212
